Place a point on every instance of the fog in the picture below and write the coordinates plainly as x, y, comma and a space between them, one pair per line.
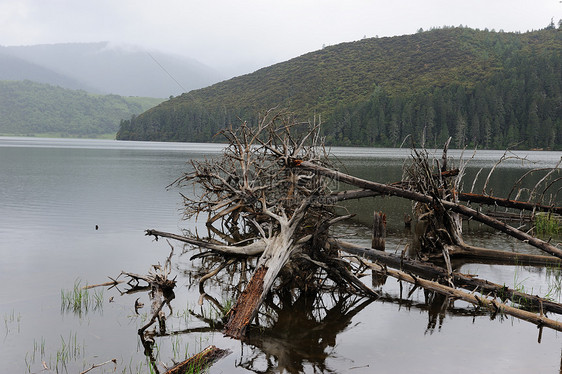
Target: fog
238, 37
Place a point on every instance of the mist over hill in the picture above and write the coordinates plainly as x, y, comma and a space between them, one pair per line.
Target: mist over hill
106, 68
32, 108
16, 69
483, 88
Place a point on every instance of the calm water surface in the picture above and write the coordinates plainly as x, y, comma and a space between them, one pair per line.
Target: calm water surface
53, 193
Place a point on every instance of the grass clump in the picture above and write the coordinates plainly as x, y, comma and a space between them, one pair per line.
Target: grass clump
548, 224
80, 300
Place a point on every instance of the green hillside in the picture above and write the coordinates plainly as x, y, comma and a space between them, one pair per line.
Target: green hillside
487, 88
30, 108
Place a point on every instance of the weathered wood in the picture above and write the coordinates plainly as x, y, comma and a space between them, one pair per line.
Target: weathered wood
277, 253
431, 271
379, 231
416, 196
462, 196
522, 205
244, 310
493, 256
509, 216
252, 249
112, 283
493, 305
95, 366
199, 362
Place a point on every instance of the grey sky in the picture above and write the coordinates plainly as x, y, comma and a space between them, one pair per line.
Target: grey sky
243, 35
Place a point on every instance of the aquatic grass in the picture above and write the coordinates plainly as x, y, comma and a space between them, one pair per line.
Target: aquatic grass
554, 283
183, 315
80, 300
10, 319
132, 369
177, 349
227, 306
70, 350
197, 368
548, 224
519, 285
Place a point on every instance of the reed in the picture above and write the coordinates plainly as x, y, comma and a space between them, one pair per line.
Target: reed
548, 224
80, 300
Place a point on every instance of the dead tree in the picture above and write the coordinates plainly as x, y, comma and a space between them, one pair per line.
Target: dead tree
269, 196
256, 202
436, 204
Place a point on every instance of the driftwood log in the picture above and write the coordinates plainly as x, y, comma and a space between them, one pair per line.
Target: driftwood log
492, 304
433, 272
200, 362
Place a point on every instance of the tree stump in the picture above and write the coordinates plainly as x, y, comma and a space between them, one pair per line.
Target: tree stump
379, 231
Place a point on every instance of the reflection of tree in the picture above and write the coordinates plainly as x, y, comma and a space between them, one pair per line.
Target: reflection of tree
435, 304
294, 330
302, 333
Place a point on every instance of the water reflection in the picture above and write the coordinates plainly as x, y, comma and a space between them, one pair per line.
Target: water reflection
53, 193
304, 333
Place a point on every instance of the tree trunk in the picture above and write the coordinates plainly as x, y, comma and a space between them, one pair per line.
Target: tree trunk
490, 200
462, 196
277, 253
379, 231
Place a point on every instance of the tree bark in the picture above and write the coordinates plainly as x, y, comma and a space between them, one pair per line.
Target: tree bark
277, 253
275, 256
379, 231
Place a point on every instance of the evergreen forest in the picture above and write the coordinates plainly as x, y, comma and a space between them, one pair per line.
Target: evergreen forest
483, 88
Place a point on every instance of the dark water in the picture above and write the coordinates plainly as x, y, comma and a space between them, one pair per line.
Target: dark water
53, 193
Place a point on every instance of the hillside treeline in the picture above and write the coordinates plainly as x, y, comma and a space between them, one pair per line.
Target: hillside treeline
30, 108
519, 106
490, 89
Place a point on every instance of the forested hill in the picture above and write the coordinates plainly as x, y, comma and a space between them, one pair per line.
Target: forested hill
31, 108
490, 89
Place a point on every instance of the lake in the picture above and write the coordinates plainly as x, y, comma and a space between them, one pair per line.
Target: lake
54, 193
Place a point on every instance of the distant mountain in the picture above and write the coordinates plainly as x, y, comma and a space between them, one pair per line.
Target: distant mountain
16, 69
491, 89
106, 68
31, 108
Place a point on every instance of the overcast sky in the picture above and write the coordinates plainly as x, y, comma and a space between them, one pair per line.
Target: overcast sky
239, 36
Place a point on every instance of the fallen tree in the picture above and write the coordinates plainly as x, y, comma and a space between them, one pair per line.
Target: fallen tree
435, 202
269, 197
264, 206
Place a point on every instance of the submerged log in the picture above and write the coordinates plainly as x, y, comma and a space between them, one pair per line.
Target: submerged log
493, 305
430, 271
416, 196
199, 362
